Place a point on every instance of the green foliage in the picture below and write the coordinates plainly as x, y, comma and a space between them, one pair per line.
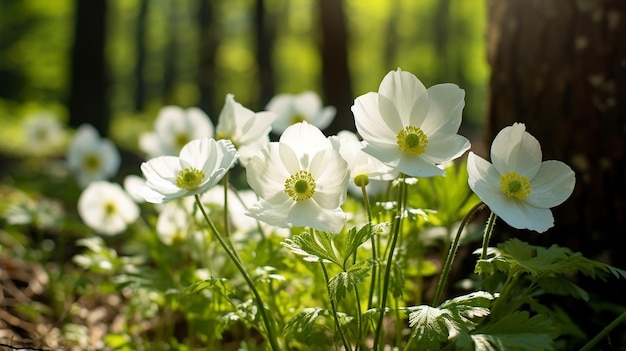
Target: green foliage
346, 281
315, 247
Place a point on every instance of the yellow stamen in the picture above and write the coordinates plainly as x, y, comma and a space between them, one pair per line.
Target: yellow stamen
189, 178
412, 141
91, 162
300, 186
515, 186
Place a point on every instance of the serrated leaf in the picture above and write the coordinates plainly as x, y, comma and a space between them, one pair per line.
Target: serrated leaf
301, 326
315, 247
561, 286
515, 331
344, 282
354, 239
220, 285
470, 306
430, 326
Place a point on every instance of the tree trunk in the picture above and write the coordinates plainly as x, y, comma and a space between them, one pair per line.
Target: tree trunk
559, 66
88, 91
140, 61
207, 47
265, 34
335, 73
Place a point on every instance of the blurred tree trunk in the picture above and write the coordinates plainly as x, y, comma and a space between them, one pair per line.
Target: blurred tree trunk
392, 37
335, 73
171, 53
88, 91
140, 48
265, 33
560, 67
207, 47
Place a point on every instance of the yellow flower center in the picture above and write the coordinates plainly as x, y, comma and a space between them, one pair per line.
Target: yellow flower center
515, 186
110, 208
189, 178
412, 141
91, 162
181, 140
300, 186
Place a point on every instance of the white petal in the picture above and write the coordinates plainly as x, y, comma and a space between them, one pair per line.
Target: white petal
305, 139
402, 88
446, 102
324, 117
416, 166
441, 150
310, 214
370, 124
552, 185
521, 215
307, 103
273, 214
331, 175
266, 172
513, 149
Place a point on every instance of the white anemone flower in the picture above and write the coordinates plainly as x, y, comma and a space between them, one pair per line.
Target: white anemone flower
247, 130
517, 186
175, 222
44, 133
202, 164
301, 180
107, 208
174, 127
410, 128
363, 166
91, 157
294, 108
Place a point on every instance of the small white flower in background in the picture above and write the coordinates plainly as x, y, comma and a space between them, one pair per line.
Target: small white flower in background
202, 164
91, 157
409, 127
301, 180
517, 186
44, 134
174, 127
133, 185
294, 108
175, 222
363, 167
107, 208
247, 130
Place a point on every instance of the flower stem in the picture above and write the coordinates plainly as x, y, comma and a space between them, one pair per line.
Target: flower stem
234, 258
346, 345
452, 253
368, 209
397, 221
487, 235
617, 321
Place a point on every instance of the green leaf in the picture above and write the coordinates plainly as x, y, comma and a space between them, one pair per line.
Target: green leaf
354, 239
344, 282
315, 247
301, 326
431, 326
561, 286
220, 285
468, 307
515, 331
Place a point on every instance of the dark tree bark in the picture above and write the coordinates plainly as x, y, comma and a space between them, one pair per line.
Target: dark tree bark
559, 66
140, 48
335, 73
88, 91
171, 54
207, 47
265, 32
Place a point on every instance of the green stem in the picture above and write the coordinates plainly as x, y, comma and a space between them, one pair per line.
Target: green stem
617, 321
392, 247
334, 308
235, 259
487, 235
452, 253
368, 209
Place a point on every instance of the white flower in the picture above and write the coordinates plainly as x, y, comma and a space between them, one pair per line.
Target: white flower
518, 187
173, 129
106, 208
202, 164
247, 130
306, 106
44, 133
175, 222
133, 185
409, 127
301, 181
90, 157
363, 166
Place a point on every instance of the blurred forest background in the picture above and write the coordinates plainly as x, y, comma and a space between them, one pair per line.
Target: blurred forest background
559, 66
115, 63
